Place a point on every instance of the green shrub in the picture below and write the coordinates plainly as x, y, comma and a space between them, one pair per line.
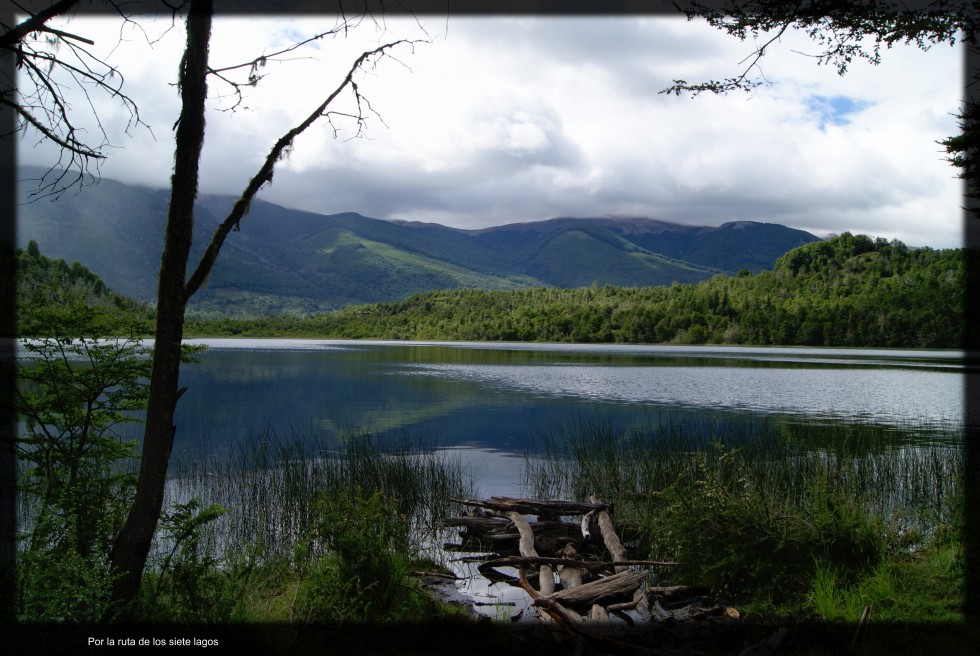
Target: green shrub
190, 585
56, 582
75, 476
749, 545
359, 560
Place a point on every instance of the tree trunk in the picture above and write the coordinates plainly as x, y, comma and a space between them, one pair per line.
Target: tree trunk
132, 545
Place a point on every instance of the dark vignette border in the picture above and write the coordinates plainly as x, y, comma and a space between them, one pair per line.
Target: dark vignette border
426, 638
8, 322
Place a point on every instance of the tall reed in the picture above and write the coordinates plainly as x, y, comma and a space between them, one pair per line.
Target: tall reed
756, 508
269, 484
910, 473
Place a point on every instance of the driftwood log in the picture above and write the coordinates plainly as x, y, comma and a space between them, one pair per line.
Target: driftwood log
608, 589
499, 561
534, 506
616, 549
587, 586
596, 577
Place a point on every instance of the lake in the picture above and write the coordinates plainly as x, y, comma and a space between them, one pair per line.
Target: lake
491, 402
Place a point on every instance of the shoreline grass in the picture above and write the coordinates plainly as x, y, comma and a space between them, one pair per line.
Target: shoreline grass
280, 530
789, 519
272, 478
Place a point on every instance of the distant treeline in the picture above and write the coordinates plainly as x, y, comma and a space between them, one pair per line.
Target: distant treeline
53, 297
851, 290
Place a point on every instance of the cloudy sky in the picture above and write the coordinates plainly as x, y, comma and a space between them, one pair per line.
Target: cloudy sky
509, 119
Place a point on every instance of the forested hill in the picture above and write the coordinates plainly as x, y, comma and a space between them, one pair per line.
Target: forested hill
847, 291
54, 297
290, 261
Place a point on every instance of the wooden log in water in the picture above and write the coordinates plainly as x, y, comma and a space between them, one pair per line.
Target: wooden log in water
606, 590
546, 607
502, 561
616, 549
593, 596
496, 576
526, 537
534, 506
478, 524
561, 530
501, 528
609, 537
546, 576
586, 524
478, 558
570, 575
600, 616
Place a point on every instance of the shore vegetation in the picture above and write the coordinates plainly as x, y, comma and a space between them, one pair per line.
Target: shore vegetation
851, 291
791, 521
799, 521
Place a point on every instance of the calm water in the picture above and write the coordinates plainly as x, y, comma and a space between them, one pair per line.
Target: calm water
492, 401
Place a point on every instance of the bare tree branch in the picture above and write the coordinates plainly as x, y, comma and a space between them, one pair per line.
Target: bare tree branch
35, 23
279, 150
54, 64
67, 35
255, 65
262, 59
71, 144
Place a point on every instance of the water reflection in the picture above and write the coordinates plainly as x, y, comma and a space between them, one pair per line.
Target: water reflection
872, 393
494, 401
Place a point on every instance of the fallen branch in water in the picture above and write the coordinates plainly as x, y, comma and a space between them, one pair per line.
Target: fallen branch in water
504, 561
604, 589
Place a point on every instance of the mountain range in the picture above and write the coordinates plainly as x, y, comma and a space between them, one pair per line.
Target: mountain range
286, 260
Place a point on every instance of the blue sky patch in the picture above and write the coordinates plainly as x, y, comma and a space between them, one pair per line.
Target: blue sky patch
834, 110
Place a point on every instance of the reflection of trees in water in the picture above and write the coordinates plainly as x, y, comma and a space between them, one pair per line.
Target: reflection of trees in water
392, 389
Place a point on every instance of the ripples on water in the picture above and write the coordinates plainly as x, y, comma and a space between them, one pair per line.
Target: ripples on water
502, 397
881, 394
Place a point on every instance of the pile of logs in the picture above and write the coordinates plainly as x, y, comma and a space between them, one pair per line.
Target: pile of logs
595, 576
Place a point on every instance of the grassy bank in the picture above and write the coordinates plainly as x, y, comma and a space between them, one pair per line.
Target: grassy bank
310, 533
798, 521
801, 523
286, 529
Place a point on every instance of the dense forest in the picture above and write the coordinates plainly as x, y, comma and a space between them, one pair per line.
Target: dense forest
851, 290
49, 291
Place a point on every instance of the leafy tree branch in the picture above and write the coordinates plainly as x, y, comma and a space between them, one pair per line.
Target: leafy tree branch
843, 30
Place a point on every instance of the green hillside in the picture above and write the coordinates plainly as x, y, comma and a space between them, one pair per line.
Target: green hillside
52, 295
602, 257
730, 247
286, 261
727, 248
848, 291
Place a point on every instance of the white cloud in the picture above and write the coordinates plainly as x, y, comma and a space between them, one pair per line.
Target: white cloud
524, 118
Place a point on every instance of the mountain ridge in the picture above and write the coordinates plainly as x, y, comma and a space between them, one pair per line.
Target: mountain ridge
296, 261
